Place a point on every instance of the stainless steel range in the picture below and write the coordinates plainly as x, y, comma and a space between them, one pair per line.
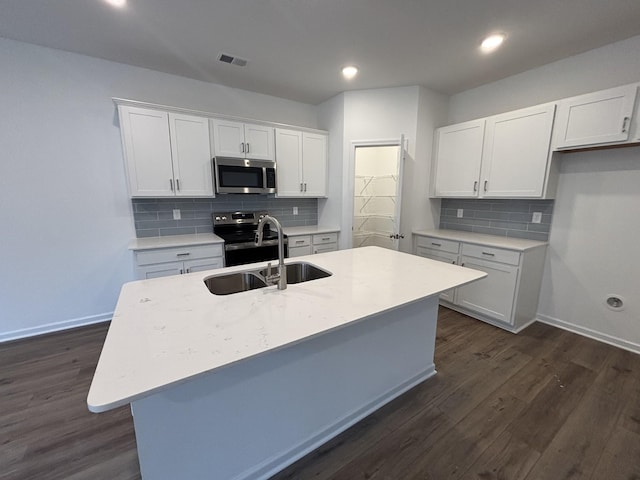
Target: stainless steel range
238, 230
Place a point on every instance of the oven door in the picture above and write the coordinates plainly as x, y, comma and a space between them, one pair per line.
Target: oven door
236, 254
241, 175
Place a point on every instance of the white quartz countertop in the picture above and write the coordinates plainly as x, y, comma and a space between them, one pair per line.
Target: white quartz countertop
174, 241
309, 230
519, 244
168, 330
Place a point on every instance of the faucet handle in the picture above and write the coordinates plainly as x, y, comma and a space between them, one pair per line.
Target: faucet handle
269, 269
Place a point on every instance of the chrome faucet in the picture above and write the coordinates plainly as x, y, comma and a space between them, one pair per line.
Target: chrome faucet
281, 276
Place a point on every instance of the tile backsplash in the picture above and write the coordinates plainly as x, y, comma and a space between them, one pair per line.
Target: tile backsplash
153, 217
510, 218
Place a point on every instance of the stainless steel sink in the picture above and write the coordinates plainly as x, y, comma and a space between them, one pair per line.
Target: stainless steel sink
301, 272
251, 279
233, 283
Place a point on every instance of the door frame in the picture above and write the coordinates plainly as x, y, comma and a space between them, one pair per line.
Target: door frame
349, 174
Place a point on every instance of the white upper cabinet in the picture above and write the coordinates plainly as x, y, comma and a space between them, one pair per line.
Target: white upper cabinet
504, 156
301, 163
458, 154
598, 118
243, 140
516, 153
314, 164
166, 154
191, 153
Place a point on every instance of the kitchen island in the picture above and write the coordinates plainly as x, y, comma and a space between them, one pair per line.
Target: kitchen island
239, 386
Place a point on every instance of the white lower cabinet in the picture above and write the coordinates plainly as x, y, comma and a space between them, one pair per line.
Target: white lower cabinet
494, 296
507, 297
163, 262
311, 244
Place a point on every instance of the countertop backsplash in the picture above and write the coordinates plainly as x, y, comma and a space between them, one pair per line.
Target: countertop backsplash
510, 218
153, 217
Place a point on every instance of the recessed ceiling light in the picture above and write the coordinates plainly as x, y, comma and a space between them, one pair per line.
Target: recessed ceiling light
116, 3
492, 42
349, 72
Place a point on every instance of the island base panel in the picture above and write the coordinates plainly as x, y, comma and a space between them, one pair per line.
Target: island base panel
254, 418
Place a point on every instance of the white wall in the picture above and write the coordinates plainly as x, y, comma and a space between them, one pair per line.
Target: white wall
331, 118
593, 243
66, 216
385, 114
605, 67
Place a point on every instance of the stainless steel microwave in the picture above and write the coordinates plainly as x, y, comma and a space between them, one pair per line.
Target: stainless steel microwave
241, 175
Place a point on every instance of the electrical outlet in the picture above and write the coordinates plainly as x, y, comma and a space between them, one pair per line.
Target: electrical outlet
176, 214
460, 213
536, 217
295, 210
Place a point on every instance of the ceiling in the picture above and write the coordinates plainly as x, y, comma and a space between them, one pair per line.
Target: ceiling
296, 48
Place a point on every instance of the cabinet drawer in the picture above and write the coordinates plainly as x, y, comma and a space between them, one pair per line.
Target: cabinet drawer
438, 255
325, 238
163, 255
438, 244
492, 254
302, 241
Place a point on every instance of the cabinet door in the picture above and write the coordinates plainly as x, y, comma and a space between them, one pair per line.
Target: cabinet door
314, 164
259, 142
492, 296
289, 163
145, 136
203, 264
299, 251
516, 151
451, 258
457, 159
191, 155
228, 138
327, 247
160, 270
596, 118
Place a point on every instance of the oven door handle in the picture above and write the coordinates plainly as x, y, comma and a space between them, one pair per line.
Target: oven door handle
247, 245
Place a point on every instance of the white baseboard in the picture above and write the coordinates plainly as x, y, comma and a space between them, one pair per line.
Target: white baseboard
587, 332
55, 327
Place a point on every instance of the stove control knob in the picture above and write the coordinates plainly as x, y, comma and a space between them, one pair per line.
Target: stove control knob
217, 219
224, 218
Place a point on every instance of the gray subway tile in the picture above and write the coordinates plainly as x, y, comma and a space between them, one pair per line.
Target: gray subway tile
177, 231
490, 231
528, 235
151, 232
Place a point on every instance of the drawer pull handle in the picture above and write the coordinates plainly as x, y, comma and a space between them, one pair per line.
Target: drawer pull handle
299, 241
436, 244
182, 254
485, 185
624, 124
475, 186
326, 238
489, 254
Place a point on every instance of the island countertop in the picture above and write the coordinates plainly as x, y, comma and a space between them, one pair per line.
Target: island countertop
168, 330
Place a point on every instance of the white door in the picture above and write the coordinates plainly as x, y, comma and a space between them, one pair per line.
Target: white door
258, 142
492, 296
457, 159
228, 138
596, 118
377, 201
516, 152
145, 135
314, 164
190, 148
289, 163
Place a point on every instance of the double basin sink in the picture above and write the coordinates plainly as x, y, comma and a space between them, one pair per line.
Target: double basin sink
236, 282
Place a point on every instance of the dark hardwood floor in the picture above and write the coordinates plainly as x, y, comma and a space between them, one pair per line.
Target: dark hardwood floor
543, 404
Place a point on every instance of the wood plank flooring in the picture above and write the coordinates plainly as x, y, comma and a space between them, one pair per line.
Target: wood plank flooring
541, 405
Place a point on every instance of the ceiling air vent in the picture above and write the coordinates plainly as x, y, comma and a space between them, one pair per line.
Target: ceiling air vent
241, 62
